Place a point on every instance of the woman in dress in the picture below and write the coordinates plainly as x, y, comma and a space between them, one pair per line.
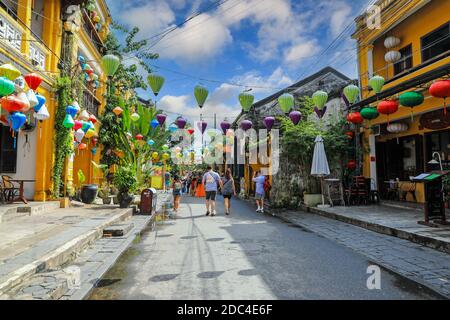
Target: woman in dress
176, 187
200, 190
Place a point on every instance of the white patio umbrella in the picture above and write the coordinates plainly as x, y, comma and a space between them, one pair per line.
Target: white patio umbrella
319, 167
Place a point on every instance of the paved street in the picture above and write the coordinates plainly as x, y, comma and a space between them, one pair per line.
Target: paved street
244, 256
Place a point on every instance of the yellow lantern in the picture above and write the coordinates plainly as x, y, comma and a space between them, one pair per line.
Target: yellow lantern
155, 155
166, 156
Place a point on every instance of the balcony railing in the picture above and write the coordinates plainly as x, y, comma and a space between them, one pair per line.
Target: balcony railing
90, 102
92, 32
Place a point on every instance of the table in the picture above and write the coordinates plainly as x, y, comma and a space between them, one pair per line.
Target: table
21, 196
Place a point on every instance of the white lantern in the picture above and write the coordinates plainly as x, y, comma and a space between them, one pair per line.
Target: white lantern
79, 135
391, 42
76, 105
31, 96
392, 56
397, 127
23, 97
42, 114
84, 115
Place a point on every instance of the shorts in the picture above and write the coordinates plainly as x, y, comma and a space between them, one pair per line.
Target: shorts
211, 195
227, 196
259, 196
177, 193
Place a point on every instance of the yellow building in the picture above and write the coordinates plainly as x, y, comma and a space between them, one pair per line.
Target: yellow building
414, 35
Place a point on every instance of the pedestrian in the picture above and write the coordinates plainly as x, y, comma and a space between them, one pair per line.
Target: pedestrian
176, 190
228, 190
188, 183
259, 179
193, 184
167, 182
211, 180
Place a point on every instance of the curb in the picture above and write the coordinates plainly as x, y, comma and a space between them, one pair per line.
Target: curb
60, 255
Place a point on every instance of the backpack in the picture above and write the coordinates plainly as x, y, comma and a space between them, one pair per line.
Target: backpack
267, 186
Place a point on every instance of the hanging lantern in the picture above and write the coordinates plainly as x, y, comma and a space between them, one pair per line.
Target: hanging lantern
110, 64
173, 127
166, 156
82, 146
79, 135
190, 131
355, 118
135, 117
90, 133
165, 147
387, 107
392, 56
156, 82
9, 71
441, 89
12, 104
68, 121
87, 126
33, 81
161, 118
6, 87
84, 115
93, 119
19, 84
154, 123
81, 59
350, 135
320, 98
94, 151
246, 101
117, 111
26, 104
42, 114
94, 141
320, 113
17, 120
201, 94
181, 122
225, 126
295, 116
397, 127
286, 102
411, 99
269, 122
72, 111
202, 126
376, 83
150, 142
139, 137
155, 155
31, 97
351, 92
351, 164
246, 125
369, 113
41, 102
391, 42
77, 125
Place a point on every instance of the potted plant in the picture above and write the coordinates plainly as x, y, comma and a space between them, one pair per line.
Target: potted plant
126, 183
105, 193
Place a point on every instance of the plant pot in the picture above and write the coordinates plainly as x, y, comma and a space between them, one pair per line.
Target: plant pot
115, 199
125, 199
89, 193
106, 200
312, 200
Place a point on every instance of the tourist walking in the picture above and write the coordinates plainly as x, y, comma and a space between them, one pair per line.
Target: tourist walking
211, 180
259, 179
228, 190
176, 190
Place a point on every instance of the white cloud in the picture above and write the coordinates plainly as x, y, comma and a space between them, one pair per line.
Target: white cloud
340, 18
297, 53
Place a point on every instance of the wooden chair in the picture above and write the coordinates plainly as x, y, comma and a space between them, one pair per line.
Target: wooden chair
10, 190
2, 193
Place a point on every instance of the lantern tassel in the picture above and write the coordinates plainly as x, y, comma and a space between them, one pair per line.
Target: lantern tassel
412, 115
445, 108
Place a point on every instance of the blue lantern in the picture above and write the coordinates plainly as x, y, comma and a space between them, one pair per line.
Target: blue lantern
94, 151
41, 101
72, 111
150, 142
17, 120
154, 123
173, 127
81, 60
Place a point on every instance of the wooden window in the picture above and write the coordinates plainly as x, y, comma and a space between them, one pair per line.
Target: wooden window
406, 62
8, 153
436, 42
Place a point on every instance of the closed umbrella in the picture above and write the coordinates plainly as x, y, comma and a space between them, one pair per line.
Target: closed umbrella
319, 167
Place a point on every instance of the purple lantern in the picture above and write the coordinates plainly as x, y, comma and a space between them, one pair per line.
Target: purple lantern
246, 124
269, 122
161, 119
295, 116
225, 126
320, 113
202, 126
181, 122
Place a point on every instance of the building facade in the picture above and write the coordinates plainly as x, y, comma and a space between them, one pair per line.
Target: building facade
410, 49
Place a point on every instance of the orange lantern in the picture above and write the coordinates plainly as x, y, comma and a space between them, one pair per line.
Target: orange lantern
117, 111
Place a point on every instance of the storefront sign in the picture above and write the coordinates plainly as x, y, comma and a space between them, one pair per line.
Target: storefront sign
11, 34
435, 120
37, 57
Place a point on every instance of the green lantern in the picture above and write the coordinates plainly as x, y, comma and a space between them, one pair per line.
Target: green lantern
200, 93
411, 99
135, 117
377, 83
6, 87
320, 98
246, 100
110, 64
351, 92
156, 82
286, 102
369, 113
68, 121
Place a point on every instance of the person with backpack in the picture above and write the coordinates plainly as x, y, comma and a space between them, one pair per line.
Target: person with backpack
228, 190
260, 180
176, 190
210, 181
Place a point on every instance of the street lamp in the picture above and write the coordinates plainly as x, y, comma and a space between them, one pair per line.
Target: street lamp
434, 161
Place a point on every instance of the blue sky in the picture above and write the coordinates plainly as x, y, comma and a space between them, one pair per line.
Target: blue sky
262, 44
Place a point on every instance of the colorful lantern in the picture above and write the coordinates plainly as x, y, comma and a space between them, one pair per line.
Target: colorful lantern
201, 94
17, 120
68, 121
84, 115
369, 113
139, 137
320, 98
351, 92
72, 111
150, 142
190, 131
90, 133
155, 155
156, 82
161, 118
76, 105
320, 113
202, 126
117, 111
387, 107
411, 99
355, 118
350, 135
166, 156
31, 97
154, 123
351, 164
12, 104
94, 151
377, 83
295, 116
286, 102
82, 146
77, 125
173, 127
9, 71
79, 135
397, 127
41, 102
225, 126
42, 114
246, 125
6, 87
392, 56
441, 89
23, 96
33, 81
135, 117
391, 42
110, 64
93, 119
81, 59
269, 122
246, 101
181, 122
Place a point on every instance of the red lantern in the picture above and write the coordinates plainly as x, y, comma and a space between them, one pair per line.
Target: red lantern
441, 89
33, 81
190, 131
12, 104
93, 118
355, 118
139, 137
388, 107
351, 164
350, 135
94, 141
82, 146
